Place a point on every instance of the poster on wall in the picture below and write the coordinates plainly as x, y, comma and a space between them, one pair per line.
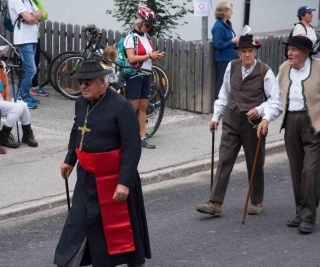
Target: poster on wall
202, 8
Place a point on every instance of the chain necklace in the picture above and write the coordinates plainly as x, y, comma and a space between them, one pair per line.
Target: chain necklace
84, 128
88, 112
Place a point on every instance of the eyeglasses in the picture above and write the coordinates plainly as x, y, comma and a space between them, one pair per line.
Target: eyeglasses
85, 82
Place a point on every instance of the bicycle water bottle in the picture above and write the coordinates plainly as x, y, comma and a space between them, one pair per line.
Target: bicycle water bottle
112, 77
116, 76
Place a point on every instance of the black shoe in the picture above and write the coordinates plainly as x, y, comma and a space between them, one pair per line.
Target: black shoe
6, 139
295, 222
305, 227
28, 138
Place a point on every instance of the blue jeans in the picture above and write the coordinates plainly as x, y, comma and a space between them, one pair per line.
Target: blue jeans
27, 53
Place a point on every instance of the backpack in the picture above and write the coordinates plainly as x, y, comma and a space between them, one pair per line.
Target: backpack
290, 36
5, 16
121, 56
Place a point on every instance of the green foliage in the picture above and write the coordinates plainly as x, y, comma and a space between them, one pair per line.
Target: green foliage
168, 15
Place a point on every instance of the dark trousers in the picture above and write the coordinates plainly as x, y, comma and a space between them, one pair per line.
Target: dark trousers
303, 150
237, 132
221, 67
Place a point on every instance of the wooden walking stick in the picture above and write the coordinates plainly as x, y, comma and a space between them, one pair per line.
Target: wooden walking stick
67, 192
252, 177
212, 160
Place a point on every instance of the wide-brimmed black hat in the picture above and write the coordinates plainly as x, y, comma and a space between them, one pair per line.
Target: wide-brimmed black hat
248, 41
91, 69
302, 42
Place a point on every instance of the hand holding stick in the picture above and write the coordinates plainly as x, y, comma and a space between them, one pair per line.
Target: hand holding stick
252, 177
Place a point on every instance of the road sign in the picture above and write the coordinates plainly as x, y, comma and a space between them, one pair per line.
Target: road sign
202, 8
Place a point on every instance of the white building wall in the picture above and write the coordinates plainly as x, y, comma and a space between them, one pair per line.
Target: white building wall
265, 15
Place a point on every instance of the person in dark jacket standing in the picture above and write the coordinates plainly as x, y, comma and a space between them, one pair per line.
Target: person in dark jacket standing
106, 225
224, 39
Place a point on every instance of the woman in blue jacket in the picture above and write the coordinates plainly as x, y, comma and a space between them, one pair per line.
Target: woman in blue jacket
224, 39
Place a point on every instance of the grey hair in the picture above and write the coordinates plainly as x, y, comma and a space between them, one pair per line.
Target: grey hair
221, 9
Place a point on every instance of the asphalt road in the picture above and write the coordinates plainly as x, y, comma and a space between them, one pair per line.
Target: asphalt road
181, 237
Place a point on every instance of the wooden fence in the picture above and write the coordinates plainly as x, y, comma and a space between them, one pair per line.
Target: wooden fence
190, 64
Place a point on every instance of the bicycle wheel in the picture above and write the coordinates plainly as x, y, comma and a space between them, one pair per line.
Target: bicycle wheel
155, 111
55, 62
67, 86
43, 68
162, 79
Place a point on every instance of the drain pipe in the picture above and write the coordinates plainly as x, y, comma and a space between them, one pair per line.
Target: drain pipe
246, 12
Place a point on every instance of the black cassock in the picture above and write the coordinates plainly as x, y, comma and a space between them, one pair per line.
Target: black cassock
113, 124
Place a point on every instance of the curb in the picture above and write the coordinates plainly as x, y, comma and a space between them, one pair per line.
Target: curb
192, 167
155, 176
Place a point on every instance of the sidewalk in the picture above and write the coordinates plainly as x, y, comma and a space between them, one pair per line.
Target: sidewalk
30, 177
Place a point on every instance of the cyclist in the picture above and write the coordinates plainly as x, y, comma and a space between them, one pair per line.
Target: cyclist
140, 52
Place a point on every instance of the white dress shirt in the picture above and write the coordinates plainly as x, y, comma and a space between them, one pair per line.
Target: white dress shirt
221, 103
296, 100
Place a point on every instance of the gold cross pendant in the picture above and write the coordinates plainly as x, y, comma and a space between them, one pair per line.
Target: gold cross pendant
83, 130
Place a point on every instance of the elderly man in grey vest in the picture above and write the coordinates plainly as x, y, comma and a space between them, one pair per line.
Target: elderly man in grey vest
296, 92
246, 86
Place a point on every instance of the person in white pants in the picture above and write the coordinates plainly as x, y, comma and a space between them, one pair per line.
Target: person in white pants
13, 111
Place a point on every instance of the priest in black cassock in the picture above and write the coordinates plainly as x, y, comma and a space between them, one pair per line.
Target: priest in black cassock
106, 225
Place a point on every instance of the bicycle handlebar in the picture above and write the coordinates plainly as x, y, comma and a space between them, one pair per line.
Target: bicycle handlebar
138, 69
90, 28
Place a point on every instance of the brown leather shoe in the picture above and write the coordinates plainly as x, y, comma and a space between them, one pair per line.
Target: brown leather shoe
211, 208
255, 209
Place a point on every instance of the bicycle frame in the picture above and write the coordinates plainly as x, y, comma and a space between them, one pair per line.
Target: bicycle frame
12, 50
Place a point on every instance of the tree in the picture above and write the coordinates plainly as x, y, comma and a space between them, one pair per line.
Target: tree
168, 15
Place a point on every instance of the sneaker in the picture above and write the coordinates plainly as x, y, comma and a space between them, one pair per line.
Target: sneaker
145, 143
3, 150
211, 208
39, 91
255, 209
29, 103
35, 100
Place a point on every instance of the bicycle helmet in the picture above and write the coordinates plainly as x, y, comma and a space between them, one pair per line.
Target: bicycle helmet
146, 14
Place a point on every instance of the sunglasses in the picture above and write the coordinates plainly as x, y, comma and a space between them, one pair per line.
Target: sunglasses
148, 25
85, 82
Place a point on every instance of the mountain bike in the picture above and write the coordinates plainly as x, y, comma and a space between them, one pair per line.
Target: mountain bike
65, 64
155, 108
93, 47
162, 79
66, 86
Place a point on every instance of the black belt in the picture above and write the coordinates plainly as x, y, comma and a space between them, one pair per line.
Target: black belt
297, 111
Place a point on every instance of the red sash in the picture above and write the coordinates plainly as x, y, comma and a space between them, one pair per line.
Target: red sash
115, 217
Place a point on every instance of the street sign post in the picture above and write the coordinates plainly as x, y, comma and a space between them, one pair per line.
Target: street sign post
203, 8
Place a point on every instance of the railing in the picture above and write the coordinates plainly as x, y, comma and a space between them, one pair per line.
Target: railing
189, 63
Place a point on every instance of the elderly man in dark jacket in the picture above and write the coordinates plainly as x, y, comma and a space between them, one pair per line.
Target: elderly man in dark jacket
106, 225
